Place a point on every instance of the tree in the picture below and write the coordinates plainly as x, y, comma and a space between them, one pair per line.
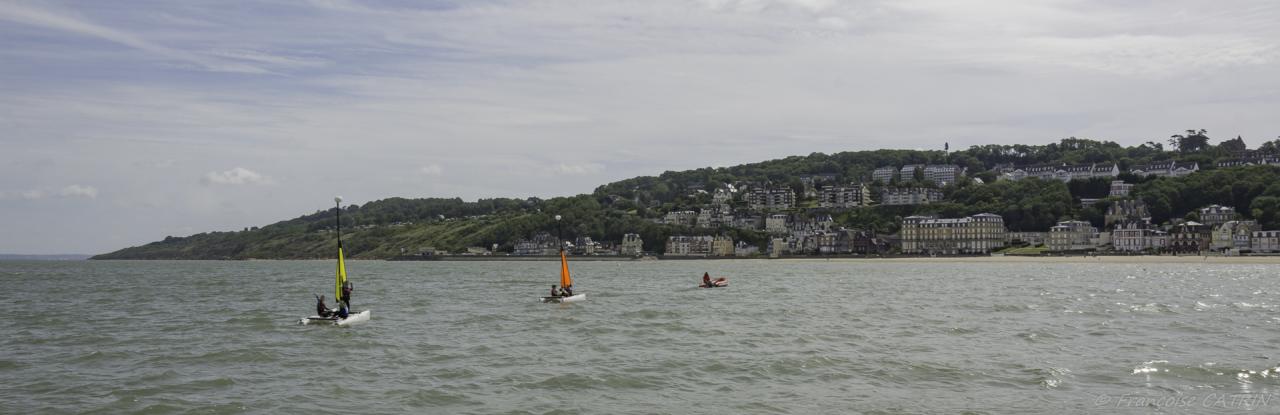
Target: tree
1234, 145
1266, 210
1270, 146
1191, 142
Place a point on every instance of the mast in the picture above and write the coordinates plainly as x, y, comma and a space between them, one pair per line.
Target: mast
341, 274
559, 237
337, 207
565, 279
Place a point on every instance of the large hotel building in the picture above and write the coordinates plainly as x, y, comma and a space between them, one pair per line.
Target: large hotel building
977, 234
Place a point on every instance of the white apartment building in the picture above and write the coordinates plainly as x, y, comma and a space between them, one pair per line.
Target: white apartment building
981, 233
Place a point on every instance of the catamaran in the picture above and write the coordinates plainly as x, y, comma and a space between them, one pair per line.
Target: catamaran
566, 281
339, 283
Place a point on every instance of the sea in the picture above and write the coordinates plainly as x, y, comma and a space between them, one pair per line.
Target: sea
785, 337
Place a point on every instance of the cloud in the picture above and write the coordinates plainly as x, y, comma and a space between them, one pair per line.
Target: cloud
236, 176
45, 18
76, 190
578, 169
268, 59
431, 170
34, 194
68, 192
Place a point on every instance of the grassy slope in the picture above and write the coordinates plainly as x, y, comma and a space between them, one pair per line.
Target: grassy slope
293, 243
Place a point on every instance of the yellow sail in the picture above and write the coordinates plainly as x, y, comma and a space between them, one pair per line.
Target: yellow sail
342, 277
565, 281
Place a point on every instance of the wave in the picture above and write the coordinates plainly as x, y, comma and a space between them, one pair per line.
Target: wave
1150, 308
1208, 372
1049, 378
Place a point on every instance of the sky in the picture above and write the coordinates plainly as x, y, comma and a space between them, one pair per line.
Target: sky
124, 122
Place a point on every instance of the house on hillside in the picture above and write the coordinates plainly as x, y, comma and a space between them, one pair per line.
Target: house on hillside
909, 196
1165, 169
1119, 188
1126, 210
844, 197
1214, 215
760, 199
884, 174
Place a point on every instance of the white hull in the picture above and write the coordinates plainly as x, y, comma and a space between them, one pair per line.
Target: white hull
570, 299
356, 318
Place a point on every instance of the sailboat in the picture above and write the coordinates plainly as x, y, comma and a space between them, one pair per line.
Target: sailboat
566, 281
339, 281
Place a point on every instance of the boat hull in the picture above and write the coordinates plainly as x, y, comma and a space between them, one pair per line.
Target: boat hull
719, 282
569, 299
356, 318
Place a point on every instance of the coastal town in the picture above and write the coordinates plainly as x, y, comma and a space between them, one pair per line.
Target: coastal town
1071, 198
797, 230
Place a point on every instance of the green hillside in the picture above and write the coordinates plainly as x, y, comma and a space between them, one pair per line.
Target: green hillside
385, 228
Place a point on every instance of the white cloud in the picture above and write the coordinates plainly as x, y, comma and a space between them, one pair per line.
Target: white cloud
76, 190
64, 21
236, 176
431, 170
579, 168
70, 191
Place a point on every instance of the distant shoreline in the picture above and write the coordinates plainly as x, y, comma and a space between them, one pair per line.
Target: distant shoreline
44, 257
1115, 259
1111, 259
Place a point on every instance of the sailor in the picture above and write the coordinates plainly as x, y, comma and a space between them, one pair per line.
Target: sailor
554, 291
706, 280
342, 311
346, 293
322, 310
567, 291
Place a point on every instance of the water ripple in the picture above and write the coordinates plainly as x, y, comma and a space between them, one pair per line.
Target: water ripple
789, 337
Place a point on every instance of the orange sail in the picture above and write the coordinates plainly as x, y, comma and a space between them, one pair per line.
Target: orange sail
565, 281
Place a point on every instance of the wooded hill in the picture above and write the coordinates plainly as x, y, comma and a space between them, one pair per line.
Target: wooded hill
383, 228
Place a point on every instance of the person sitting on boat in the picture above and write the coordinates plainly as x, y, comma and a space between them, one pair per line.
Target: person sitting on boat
567, 291
342, 312
554, 291
706, 279
322, 310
